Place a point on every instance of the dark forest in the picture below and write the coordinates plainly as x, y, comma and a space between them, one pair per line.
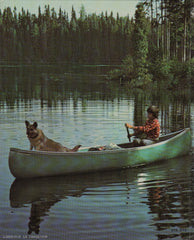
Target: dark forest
157, 43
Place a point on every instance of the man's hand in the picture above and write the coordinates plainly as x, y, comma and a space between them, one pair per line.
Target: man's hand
127, 125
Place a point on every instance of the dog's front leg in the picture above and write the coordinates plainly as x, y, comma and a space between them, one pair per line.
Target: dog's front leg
31, 147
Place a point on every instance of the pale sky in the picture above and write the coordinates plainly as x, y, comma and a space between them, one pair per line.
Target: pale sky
123, 7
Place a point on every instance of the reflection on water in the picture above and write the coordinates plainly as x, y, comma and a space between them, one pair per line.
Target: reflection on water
75, 105
53, 84
73, 86
157, 187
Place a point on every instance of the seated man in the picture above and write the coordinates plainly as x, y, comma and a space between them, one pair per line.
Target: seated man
149, 133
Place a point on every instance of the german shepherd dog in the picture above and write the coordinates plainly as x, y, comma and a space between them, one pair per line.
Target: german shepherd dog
40, 142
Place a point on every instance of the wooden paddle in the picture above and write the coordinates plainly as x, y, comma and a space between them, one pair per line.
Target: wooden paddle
128, 134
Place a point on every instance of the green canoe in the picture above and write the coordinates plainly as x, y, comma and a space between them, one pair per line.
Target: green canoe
28, 164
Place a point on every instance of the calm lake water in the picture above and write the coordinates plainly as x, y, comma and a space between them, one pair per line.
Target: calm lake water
73, 104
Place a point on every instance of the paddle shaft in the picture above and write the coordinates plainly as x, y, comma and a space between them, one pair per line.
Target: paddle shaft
128, 134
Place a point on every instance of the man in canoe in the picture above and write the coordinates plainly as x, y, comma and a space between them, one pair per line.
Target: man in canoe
144, 135
148, 134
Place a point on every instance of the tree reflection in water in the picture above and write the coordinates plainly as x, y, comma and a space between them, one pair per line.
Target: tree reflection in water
43, 193
165, 188
170, 203
56, 86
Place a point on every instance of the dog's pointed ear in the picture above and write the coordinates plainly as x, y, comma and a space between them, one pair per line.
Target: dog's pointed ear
27, 123
35, 124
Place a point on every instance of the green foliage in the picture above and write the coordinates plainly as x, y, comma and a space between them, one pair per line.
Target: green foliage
162, 43
52, 37
171, 73
128, 67
140, 41
115, 74
125, 73
149, 44
191, 67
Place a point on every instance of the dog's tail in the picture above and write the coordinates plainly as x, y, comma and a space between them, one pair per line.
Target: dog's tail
75, 149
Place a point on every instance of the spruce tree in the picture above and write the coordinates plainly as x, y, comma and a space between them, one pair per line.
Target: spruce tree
140, 44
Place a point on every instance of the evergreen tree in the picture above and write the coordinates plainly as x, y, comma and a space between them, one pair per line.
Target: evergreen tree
160, 33
140, 44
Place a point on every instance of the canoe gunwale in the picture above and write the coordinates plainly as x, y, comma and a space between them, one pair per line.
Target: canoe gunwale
31, 164
30, 152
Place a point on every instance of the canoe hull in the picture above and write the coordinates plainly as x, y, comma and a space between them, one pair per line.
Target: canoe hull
28, 164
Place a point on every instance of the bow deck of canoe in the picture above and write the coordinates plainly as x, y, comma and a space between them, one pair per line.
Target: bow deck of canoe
26, 164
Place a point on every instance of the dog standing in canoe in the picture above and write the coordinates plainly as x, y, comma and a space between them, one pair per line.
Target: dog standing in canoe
40, 142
